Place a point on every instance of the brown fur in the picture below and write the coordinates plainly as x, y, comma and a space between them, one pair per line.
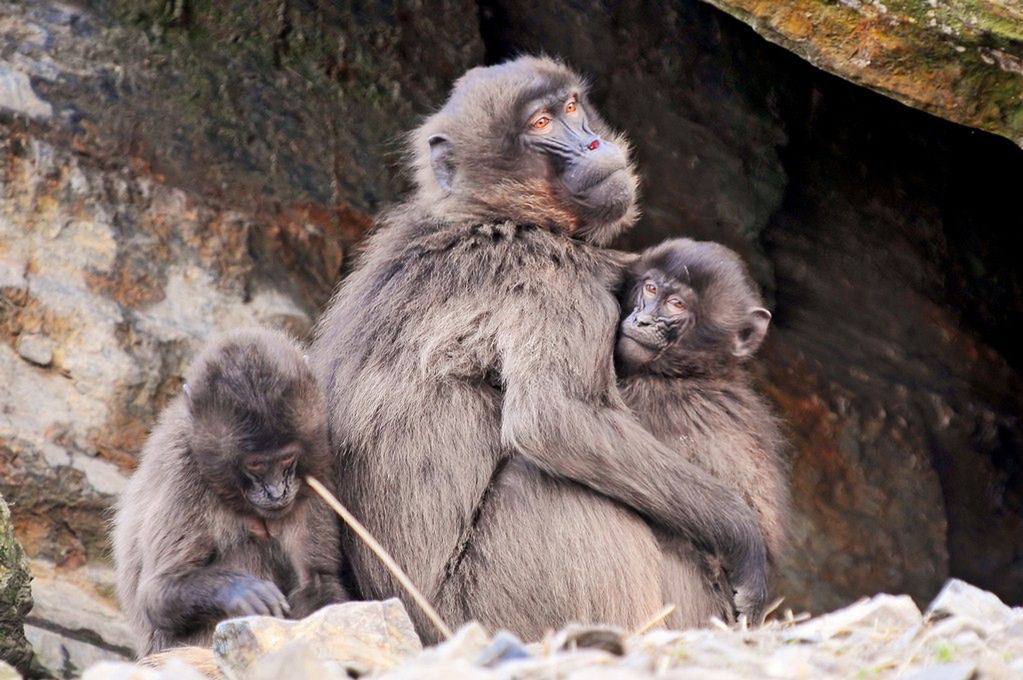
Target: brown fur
471, 394
183, 532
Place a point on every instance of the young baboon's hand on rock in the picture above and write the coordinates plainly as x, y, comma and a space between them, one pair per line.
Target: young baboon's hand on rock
245, 595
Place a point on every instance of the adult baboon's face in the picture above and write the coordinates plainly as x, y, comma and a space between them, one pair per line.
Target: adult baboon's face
588, 170
521, 141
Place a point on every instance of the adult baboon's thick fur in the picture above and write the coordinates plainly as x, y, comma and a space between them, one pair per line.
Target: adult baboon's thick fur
215, 522
690, 387
475, 339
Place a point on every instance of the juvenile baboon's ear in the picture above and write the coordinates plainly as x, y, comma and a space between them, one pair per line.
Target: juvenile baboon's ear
442, 161
749, 337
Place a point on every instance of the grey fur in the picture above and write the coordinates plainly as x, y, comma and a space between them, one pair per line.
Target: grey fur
697, 396
182, 534
474, 339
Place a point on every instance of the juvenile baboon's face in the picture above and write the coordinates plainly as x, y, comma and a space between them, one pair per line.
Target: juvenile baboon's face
253, 471
663, 313
258, 423
689, 307
268, 478
521, 141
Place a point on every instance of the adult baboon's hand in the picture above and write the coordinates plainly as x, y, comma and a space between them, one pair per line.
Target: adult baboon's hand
245, 595
750, 581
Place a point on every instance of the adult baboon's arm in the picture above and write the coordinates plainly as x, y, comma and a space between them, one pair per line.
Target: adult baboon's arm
562, 411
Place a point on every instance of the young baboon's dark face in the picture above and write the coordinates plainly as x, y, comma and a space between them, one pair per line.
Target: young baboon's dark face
253, 470
268, 478
258, 424
688, 307
521, 141
663, 313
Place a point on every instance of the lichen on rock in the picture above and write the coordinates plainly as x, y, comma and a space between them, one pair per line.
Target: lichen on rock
15, 596
958, 59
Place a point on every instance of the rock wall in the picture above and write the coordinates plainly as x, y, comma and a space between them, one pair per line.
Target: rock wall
170, 169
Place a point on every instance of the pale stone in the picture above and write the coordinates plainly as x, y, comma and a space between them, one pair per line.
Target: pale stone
36, 348
121, 670
889, 613
71, 626
7, 671
105, 477
961, 599
946, 671
468, 642
17, 95
356, 636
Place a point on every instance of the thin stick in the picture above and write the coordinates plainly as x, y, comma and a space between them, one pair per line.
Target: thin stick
379, 551
657, 618
769, 609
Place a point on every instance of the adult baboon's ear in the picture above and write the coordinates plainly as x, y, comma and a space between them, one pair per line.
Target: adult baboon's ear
442, 161
752, 333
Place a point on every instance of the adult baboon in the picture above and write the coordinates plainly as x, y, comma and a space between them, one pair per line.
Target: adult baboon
478, 327
691, 319
215, 522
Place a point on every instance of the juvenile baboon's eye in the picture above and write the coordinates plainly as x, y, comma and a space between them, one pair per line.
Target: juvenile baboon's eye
676, 305
540, 122
650, 288
288, 461
570, 105
256, 467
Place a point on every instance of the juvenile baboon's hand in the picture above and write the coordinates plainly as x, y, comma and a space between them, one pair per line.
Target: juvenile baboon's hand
245, 595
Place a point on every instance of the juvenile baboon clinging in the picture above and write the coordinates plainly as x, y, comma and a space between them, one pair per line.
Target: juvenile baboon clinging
216, 522
692, 318
478, 329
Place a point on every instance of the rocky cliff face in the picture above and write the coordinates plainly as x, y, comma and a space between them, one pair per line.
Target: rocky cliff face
171, 169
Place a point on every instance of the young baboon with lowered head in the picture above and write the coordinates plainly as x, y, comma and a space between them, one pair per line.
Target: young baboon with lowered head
216, 522
475, 335
692, 318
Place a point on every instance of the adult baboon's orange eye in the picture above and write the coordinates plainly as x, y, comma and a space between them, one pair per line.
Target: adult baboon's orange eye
541, 122
570, 105
650, 288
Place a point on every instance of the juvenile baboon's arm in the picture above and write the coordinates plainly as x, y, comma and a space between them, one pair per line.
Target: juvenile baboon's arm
183, 588
316, 547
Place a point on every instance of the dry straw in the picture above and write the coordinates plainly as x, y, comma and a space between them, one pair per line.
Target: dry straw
381, 553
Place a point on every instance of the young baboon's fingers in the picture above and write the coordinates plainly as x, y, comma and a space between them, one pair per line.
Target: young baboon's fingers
256, 603
271, 597
239, 606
